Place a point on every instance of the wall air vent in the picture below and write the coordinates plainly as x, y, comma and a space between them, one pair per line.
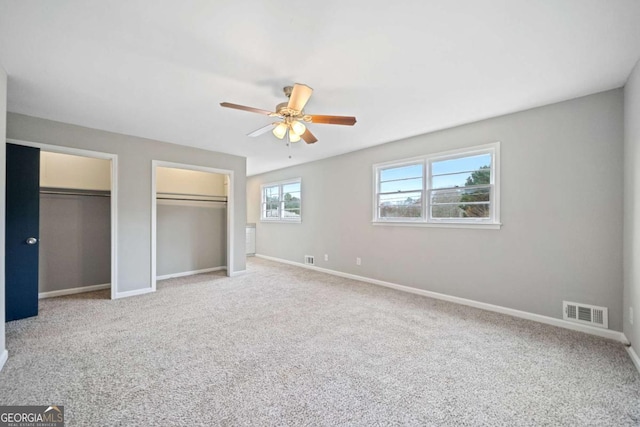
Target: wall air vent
586, 314
308, 259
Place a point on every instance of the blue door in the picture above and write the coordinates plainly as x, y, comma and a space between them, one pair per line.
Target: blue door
22, 226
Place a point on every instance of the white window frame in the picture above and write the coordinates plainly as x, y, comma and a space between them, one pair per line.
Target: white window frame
280, 217
425, 220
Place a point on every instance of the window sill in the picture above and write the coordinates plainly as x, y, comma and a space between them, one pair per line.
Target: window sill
281, 221
477, 226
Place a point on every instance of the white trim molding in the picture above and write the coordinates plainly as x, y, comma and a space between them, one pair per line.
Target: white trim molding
190, 273
3, 358
133, 293
604, 333
71, 291
478, 226
634, 356
236, 273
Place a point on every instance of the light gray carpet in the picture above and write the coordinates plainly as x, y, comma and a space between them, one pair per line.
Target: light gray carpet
288, 346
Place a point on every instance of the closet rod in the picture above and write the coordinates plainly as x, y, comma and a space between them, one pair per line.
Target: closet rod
63, 192
191, 200
159, 193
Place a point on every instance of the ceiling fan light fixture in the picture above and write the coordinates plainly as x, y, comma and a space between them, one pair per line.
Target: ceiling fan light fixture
293, 137
298, 128
280, 130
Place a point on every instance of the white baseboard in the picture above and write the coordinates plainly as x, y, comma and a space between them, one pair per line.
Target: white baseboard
634, 357
3, 358
605, 333
127, 294
72, 291
237, 273
190, 273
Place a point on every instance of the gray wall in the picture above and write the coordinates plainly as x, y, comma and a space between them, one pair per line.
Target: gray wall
75, 242
3, 146
134, 185
632, 207
561, 211
190, 237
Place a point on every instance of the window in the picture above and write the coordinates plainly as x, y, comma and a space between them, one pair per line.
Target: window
282, 201
452, 188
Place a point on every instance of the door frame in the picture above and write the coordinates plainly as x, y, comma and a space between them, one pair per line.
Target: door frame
114, 194
155, 164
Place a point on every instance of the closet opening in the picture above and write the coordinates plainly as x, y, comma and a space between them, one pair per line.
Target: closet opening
191, 216
76, 218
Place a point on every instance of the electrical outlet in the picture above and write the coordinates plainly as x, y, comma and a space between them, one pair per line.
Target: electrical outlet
358, 261
326, 257
631, 315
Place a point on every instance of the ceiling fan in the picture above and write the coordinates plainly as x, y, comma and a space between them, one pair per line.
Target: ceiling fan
293, 116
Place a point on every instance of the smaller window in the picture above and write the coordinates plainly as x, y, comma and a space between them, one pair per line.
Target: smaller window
282, 201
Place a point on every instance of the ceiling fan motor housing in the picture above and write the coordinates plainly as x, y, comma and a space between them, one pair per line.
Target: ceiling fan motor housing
289, 114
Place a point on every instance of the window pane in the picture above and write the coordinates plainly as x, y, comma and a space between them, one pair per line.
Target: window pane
450, 181
401, 205
458, 195
403, 178
270, 192
271, 210
461, 203
401, 185
271, 202
291, 199
464, 179
291, 213
291, 208
291, 196
461, 211
291, 188
462, 164
402, 172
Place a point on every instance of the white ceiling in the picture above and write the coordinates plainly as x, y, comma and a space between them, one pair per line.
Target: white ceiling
159, 69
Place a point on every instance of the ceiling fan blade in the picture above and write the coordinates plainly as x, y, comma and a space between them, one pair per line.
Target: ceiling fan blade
334, 120
299, 96
308, 137
262, 130
245, 108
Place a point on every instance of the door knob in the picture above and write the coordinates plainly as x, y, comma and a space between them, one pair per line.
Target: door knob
32, 241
